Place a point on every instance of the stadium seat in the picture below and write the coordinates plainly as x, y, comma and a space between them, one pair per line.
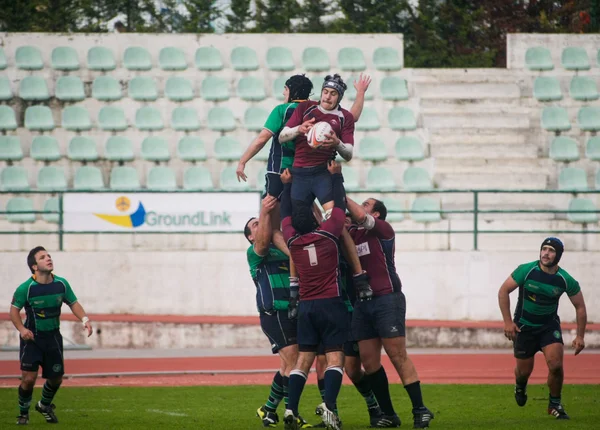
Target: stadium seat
368, 120
100, 58
76, 118
546, 88
394, 208
51, 178
69, 89
28, 58
416, 179
112, 118
179, 89
409, 148
155, 148
14, 178
581, 204
197, 178
255, 118
380, 179
119, 148
588, 118
5, 90
597, 180
263, 154
227, 149
3, 62
185, 119
221, 119
251, 89
575, 58
172, 59
592, 148
564, 149
33, 88
39, 118
82, 148
431, 206
280, 59
191, 148
350, 93
572, 179
387, 59
88, 178
351, 180
137, 58
10, 148
278, 86
148, 118
229, 181
315, 60
161, 178
8, 121
51, 209
261, 180
106, 89
372, 148
317, 81
143, 89
244, 58
555, 119
208, 59
583, 88
124, 178
351, 59
65, 58
20, 204
45, 148
538, 58
401, 118
214, 89
394, 89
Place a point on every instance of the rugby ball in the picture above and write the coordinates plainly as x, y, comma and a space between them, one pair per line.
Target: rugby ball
318, 133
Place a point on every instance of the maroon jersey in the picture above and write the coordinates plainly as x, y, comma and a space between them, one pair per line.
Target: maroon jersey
341, 121
315, 256
376, 248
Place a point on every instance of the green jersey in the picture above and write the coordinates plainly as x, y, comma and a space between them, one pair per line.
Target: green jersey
271, 275
281, 155
539, 293
43, 302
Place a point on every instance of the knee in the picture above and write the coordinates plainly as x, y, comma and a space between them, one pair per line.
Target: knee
355, 373
397, 355
28, 381
555, 366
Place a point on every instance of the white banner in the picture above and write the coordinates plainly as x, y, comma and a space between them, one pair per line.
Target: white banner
198, 212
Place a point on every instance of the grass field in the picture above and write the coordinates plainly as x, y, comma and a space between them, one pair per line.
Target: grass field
233, 408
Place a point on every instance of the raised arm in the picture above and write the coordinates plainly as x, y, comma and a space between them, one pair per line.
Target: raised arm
510, 328
279, 242
362, 85
581, 315
264, 232
357, 212
286, 205
257, 144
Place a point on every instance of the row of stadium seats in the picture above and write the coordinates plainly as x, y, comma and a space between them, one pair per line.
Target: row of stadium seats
581, 88
556, 119
563, 148
572, 58
207, 58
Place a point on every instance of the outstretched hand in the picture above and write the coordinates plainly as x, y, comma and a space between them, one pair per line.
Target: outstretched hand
362, 84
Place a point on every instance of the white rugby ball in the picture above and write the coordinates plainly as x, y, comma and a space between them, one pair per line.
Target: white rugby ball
318, 133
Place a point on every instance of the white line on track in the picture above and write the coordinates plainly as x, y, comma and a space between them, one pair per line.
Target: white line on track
172, 414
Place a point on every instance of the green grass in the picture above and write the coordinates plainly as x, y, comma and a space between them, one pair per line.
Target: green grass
233, 408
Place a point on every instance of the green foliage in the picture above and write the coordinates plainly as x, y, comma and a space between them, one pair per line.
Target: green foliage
275, 16
239, 16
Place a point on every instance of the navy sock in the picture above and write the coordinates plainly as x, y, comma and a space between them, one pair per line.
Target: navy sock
333, 384
286, 388
554, 400
364, 388
414, 392
381, 388
321, 385
297, 382
24, 400
48, 392
276, 394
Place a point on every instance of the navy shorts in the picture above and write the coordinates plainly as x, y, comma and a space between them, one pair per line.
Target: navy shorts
45, 350
279, 329
529, 341
312, 182
350, 349
382, 317
325, 321
273, 185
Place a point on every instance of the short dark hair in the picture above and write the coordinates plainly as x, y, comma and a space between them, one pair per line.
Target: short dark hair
300, 87
247, 231
31, 257
303, 219
378, 206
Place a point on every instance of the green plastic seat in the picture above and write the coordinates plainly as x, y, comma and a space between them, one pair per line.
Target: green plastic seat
161, 178
88, 178
572, 179
227, 149
124, 178
351, 59
5, 90
555, 118
197, 178
100, 58
416, 179
538, 58
119, 148
137, 58
393, 89
588, 118
280, 59
350, 93
583, 88
33, 88
581, 204
208, 58
179, 89
368, 121
425, 210
244, 58
10, 148
255, 118
547, 88
387, 59
592, 148
351, 180
221, 119
229, 181
251, 89
20, 204
148, 118
14, 178
597, 180
278, 86
69, 89
45, 148
401, 118
214, 89
155, 148
51, 209
575, 58
191, 148
394, 210
28, 58
106, 89
39, 118
51, 178
185, 119
261, 180
409, 148
263, 154
372, 148
317, 81
76, 118
564, 148
380, 179
8, 121
82, 148
112, 118
315, 59
172, 59
64, 58
143, 89
3, 62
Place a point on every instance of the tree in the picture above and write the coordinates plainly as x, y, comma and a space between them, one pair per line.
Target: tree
372, 16
239, 17
200, 16
273, 16
312, 13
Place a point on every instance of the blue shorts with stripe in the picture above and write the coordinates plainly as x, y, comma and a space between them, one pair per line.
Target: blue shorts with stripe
279, 329
323, 321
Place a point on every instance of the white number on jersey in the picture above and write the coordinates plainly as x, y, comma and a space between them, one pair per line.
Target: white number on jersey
312, 254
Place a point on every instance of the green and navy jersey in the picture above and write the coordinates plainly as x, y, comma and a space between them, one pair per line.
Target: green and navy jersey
539, 293
281, 155
348, 292
271, 275
43, 302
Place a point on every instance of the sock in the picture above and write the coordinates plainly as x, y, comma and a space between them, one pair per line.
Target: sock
276, 394
364, 388
297, 381
381, 388
24, 400
321, 385
414, 392
333, 384
286, 387
48, 393
521, 383
555, 400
